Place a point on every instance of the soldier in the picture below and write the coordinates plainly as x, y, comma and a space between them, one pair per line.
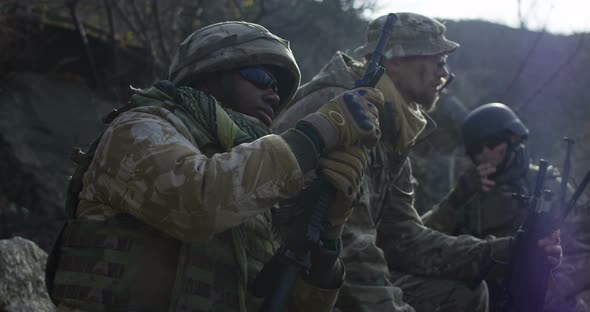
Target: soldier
494, 140
481, 204
170, 207
385, 240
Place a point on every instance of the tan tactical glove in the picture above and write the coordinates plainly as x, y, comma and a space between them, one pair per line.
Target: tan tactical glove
344, 168
351, 118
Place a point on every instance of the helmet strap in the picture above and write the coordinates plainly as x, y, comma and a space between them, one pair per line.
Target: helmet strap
511, 149
517, 169
227, 97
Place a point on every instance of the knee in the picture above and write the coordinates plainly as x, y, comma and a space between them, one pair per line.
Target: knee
480, 297
467, 298
459, 298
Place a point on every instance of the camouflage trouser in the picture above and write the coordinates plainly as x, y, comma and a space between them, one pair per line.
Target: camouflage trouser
365, 298
65, 308
435, 295
577, 304
568, 288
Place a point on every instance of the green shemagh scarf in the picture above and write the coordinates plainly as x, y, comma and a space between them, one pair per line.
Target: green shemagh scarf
215, 125
227, 127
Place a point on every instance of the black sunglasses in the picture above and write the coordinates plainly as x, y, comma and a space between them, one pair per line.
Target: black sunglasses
260, 77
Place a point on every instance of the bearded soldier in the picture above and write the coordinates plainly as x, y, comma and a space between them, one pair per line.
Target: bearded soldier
385, 241
171, 206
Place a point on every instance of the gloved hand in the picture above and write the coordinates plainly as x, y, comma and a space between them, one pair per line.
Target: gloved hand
351, 118
344, 168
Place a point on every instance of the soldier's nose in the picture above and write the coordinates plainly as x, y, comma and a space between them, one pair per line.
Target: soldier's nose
272, 99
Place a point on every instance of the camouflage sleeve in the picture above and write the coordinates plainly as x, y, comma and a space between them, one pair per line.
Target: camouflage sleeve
367, 286
148, 165
303, 107
411, 247
446, 214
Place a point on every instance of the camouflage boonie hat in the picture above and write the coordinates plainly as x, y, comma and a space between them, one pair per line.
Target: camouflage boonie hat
413, 35
232, 45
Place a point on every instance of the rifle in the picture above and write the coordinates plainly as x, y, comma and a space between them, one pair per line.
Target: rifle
527, 284
530, 270
279, 275
566, 169
574, 199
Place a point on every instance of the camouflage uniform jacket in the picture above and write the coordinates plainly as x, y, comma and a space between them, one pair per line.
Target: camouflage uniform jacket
148, 165
385, 231
482, 214
494, 213
497, 213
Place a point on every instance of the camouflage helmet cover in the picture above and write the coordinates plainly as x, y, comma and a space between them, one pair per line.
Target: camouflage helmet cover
413, 35
231, 45
488, 120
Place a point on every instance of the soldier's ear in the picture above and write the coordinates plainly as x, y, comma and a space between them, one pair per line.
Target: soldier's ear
392, 65
212, 84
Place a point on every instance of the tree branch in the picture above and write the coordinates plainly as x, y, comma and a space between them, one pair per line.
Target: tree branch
143, 31
156, 12
128, 22
553, 76
109, 12
140, 33
72, 4
239, 7
261, 12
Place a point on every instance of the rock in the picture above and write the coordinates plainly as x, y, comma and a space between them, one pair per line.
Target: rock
43, 117
22, 277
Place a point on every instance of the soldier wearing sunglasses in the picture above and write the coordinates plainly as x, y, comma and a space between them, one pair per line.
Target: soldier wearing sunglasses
170, 207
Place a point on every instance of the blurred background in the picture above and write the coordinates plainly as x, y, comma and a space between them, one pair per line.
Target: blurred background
65, 64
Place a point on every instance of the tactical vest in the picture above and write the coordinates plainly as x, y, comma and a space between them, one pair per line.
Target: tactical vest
122, 264
497, 212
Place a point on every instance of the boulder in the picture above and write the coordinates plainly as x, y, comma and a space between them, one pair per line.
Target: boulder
22, 277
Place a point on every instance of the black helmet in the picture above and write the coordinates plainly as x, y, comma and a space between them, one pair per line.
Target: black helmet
490, 120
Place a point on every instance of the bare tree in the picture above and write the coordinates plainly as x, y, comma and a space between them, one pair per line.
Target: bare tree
521, 19
151, 29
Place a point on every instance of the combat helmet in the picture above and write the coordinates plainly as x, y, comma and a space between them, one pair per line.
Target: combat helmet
489, 120
413, 35
231, 45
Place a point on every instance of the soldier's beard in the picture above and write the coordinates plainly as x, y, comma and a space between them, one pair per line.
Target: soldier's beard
427, 101
427, 94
